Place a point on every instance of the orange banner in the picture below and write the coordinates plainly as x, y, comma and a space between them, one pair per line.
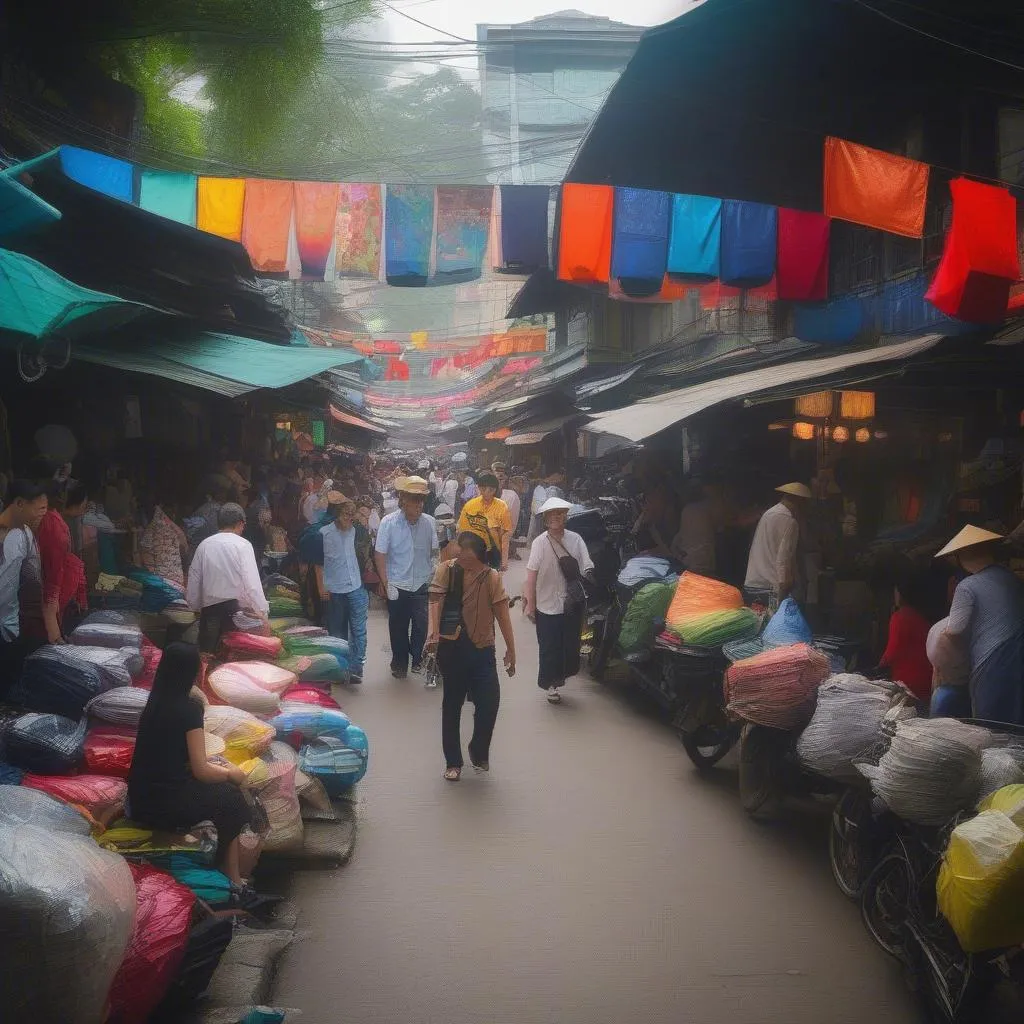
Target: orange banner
266, 223
585, 236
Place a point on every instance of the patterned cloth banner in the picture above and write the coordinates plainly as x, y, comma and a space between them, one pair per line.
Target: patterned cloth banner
524, 227
169, 194
408, 229
360, 222
748, 243
640, 236
220, 203
463, 219
876, 189
585, 233
695, 237
316, 211
980, 261
267, 223
106, 174
803, 256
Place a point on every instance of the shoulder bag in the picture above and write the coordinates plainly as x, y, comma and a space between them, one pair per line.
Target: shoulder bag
575, 593
451, 610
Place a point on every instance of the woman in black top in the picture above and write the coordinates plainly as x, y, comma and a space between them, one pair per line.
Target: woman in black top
171, 784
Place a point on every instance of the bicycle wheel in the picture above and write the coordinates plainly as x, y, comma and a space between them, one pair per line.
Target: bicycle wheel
850, 845
885, 902
762, 753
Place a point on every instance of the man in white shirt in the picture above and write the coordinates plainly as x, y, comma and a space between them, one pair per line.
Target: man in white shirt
404, 553
224, 578
773, 567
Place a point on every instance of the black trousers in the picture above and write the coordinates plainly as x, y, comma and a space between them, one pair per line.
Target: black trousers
214, 620
467, 671
558, 642
408, 609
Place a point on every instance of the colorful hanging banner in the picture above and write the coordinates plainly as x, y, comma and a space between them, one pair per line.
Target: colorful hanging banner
409, 229
585, 233
220, 204
980, 260
316, 212
803, 255
876, 189
463, 219
640, 235
102, 173
358, 231
169, 194
695, 237
524, 228
267, 223
749, 232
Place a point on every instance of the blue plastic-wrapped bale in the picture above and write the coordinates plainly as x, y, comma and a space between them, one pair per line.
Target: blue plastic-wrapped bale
310, 722
55, 682
45, 744
787, 626
337, 765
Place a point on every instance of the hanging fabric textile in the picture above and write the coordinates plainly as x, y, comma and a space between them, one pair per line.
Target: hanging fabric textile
669, 291
524, 227
640, 239
831, 323
980, 261
695, 237
169, 194
106, 174
409, 230
463, 218
876, 189
396, 369
316, 210
267, 223
220, 203
585, 233
360, 221
803, 256
748, 243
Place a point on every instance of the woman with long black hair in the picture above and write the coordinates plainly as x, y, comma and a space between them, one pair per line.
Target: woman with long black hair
172, 785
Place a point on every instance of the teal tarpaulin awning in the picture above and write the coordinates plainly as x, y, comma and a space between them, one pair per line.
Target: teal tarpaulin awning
21, 210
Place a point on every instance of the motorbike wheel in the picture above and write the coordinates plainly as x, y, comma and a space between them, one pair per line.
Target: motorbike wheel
761, 771
602, 649
885, 904
850, 847
708, 744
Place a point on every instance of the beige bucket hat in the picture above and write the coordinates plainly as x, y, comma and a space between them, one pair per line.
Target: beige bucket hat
412, 485
968, 537
795, 490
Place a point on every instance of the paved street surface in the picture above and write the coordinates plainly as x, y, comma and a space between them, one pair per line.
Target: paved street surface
593, 876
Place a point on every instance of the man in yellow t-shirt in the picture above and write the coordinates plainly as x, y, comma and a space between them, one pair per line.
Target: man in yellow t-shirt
488, 517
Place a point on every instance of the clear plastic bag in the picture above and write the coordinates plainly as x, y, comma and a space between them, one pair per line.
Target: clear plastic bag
123, 706
307, 722
281, 803
335, 763
239, 645
107, 634
108, 750
244, 735
249, 685
787, 626
102, 796
55, 682
67, 908
47, 744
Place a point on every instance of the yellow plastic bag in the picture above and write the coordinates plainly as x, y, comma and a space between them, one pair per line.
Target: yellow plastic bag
981, 882
1009, 800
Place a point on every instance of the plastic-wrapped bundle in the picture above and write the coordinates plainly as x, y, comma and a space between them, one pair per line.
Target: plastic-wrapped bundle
1001, 767
250, 624
118, 666
981, 882
123, 706
106, 634
717, 628
308, 647
647, 607
308, 631
101, 795
314, 668
698, 595
9, 775
847, 723
111, 617
56, 683
244, 735
109, 750
251, 685
67, 908
279, 625
336, 763
300, 694
22, 805
239, 646
787, 626
931, 770
307, 722
151, 655
776, 688
1009, 800
277, 793
48, 744
282, 606
163, 915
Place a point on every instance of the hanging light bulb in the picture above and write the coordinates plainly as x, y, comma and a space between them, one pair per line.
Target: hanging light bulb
803, 431
863, 435
840, 435
857, 405
817, 406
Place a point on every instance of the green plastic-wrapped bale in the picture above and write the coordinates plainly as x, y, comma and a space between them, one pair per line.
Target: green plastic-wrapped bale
716, 628
646, 609
281, 606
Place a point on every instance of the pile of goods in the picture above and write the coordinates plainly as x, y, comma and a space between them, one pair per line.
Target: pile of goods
778, 687
646, 610
708, 613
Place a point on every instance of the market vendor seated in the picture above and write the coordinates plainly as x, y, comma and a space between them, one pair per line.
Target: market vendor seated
171, 784
987, 620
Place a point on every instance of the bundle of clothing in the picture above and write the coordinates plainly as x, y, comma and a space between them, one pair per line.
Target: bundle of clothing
778, 687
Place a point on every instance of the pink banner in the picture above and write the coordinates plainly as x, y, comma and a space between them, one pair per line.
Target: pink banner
316, 207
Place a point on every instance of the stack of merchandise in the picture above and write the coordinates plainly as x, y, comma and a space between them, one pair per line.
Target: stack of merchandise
250, 685
776, 688
283, 595
330, 747
645, 612
707, 613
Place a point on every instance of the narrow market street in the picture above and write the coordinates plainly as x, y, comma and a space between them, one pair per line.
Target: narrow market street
593, 876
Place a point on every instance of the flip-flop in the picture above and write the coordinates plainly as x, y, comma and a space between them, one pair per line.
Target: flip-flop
452, 774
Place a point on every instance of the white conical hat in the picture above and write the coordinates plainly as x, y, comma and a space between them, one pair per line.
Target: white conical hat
968, 537
795, 490
554, 505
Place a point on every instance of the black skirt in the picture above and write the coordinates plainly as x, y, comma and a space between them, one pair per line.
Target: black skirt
558, 638
181, 807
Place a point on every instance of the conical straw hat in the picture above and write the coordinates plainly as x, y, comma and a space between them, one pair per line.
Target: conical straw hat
968, 537
795, 490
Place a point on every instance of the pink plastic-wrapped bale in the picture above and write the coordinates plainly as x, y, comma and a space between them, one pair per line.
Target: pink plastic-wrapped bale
250, 685
778, 687
241, 645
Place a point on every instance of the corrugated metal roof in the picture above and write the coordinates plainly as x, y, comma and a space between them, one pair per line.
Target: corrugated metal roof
644, 419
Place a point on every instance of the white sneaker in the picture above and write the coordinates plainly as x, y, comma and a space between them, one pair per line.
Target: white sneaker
554, 697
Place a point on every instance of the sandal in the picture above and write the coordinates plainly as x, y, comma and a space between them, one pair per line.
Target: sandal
452, 774
554, 697
481, 766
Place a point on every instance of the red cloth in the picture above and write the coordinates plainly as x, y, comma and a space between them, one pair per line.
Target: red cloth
585, 234
63, 572
802, 265
905, 654
980, 261
397, 370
